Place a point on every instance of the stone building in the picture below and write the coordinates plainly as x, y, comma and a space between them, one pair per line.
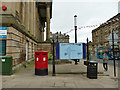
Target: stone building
90, 47
25, 22
100, 34
62, 38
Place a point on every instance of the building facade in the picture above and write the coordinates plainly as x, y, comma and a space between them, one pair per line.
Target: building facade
62, 38
100, 34
25, 22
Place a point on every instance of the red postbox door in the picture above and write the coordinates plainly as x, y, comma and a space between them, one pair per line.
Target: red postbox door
41, 60
44, 61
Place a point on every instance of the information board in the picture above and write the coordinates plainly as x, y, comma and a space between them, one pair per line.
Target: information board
3, 32
70, 51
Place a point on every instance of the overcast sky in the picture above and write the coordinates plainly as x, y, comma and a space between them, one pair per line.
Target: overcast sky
89, 12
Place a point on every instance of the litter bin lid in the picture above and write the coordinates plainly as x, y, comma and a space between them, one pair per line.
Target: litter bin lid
5, 57
92, 61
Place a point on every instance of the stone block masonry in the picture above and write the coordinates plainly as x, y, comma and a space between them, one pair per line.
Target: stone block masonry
25, 22
45, 47
16, 46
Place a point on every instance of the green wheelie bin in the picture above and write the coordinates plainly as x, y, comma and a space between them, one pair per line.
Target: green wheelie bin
6, 65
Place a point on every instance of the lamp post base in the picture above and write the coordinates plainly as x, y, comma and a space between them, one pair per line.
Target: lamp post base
53, 75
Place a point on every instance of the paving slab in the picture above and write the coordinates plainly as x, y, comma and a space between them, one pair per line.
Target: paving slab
67, 76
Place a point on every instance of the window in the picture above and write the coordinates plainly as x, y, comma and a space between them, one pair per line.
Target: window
96, 40
2, 47
105, 28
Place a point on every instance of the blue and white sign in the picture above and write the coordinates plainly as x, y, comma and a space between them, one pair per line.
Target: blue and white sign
3, 32
70, 51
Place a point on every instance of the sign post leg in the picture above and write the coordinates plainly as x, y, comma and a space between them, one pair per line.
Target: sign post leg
53, 60
113, 53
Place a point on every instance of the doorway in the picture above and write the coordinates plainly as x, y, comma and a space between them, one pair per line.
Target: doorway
26, 50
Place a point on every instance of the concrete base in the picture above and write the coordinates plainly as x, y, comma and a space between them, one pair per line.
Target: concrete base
41, 72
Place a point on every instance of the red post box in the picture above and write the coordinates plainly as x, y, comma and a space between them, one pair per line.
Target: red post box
41, 63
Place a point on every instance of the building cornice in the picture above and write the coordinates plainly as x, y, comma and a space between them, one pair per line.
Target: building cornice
8, 20
42, 6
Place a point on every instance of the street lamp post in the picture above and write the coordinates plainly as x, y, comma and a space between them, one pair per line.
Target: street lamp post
54, 40
57, 37
75, 25
87, 50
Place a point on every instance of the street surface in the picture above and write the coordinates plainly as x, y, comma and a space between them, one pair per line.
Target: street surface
67, 76
110, 62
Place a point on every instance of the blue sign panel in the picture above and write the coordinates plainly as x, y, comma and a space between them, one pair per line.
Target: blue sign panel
70, 51
3, 32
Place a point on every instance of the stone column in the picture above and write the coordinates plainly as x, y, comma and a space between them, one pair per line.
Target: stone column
30, 13
18, 9
23, 13
27, 15
37, 29
32, 18
48, 21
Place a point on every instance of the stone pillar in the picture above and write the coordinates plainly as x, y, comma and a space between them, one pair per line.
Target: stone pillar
18, 9
23, 13
48, 21
37, 29
27, 15
30, 16
34, 17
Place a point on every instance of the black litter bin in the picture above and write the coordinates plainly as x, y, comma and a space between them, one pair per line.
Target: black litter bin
92, 69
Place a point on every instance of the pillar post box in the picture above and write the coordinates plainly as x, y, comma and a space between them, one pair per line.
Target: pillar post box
41, 63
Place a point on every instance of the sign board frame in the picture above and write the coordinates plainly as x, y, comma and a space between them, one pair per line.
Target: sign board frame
70, 51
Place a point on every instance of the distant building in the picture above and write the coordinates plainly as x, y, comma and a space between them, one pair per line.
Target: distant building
100, 34
90, 46
62, 38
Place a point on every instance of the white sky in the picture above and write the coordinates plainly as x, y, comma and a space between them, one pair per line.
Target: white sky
89, 12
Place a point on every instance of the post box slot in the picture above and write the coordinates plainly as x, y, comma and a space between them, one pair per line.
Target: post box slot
37, 54
43, 54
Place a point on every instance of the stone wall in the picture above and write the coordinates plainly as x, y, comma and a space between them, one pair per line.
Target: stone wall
25, 28
26, 13
16, 46
45, 47
100, 34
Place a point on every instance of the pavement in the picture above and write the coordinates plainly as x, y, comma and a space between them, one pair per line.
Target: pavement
67, 76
